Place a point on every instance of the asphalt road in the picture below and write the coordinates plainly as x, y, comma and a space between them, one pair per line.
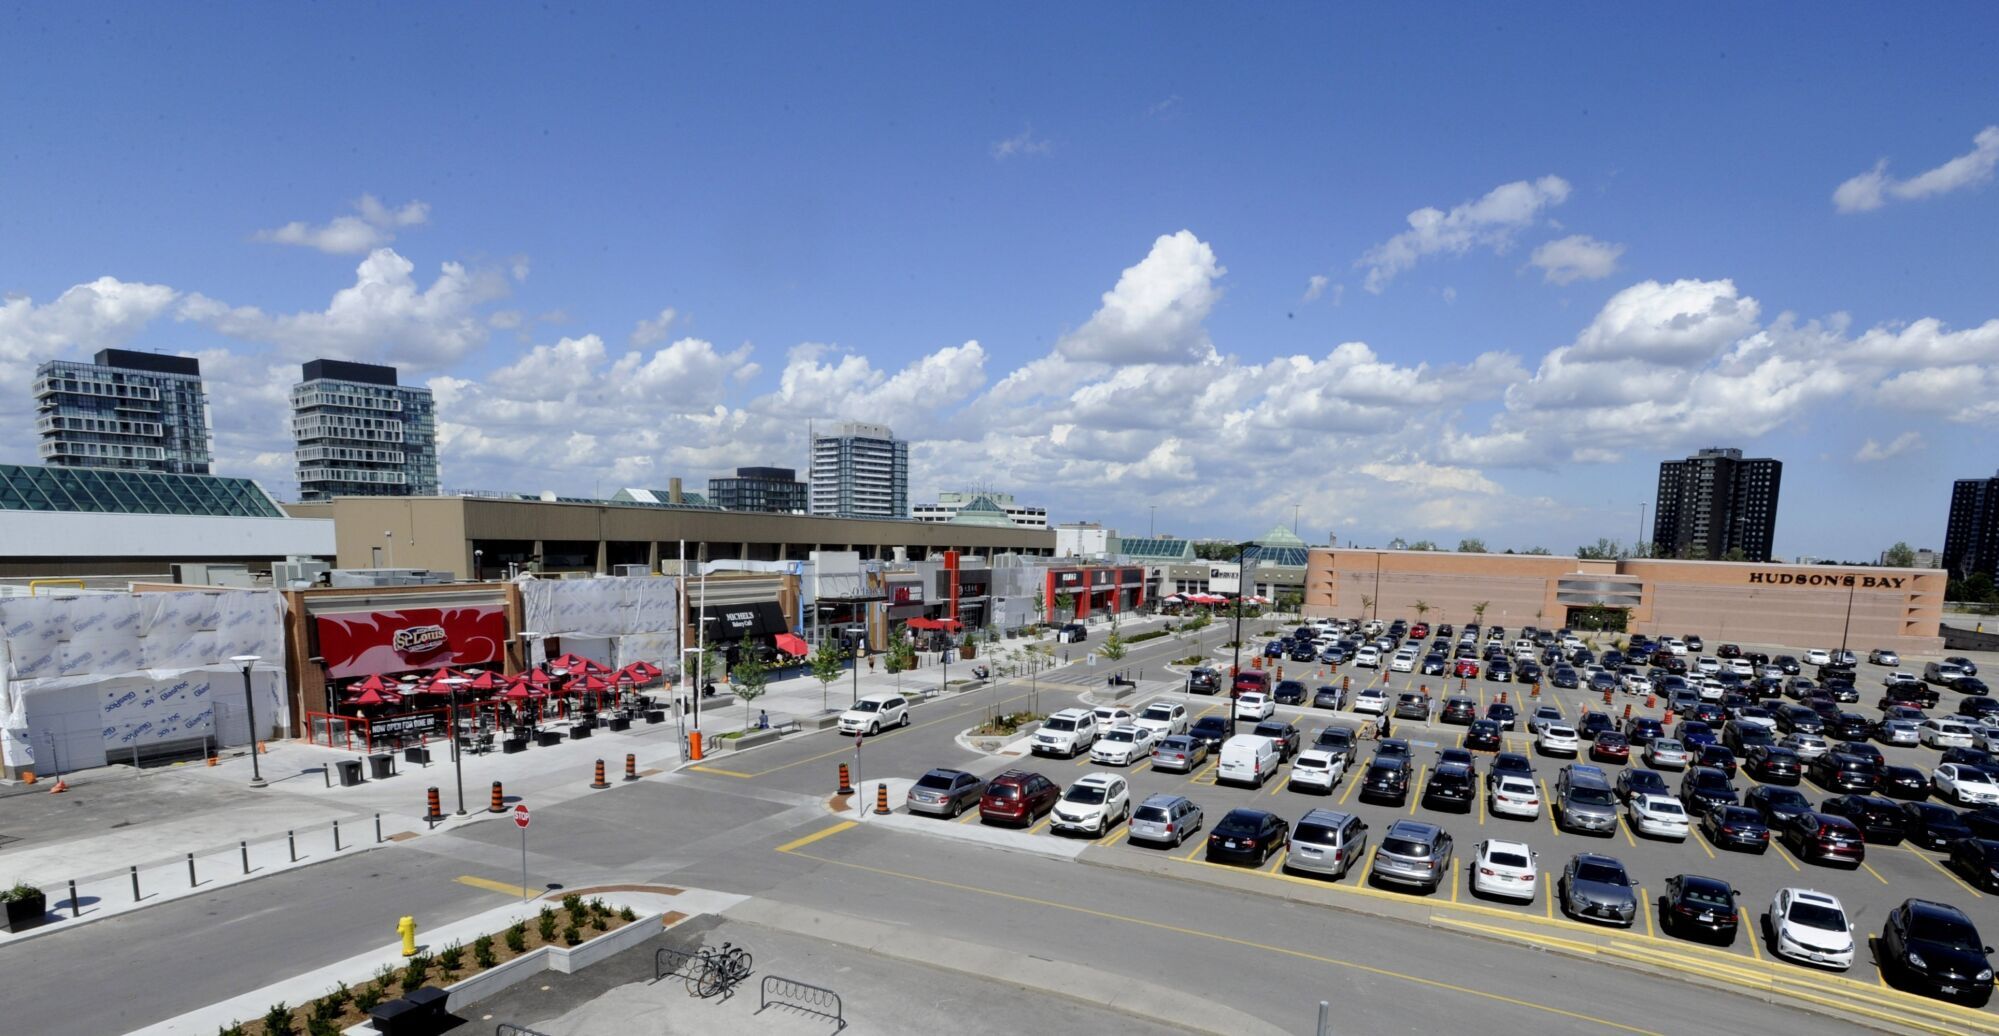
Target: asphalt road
1263, 944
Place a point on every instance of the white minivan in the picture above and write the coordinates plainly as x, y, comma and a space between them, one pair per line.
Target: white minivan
1247, 759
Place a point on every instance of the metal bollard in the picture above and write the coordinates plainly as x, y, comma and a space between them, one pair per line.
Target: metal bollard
336, 836
135, 883
327, 773
291, 842
191, 882
244, 847
75, 911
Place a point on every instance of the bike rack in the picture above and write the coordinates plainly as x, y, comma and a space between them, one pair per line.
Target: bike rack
510, 1029
675, 964
803, 997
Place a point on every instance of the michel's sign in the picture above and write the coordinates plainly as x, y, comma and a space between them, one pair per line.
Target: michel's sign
1821, 579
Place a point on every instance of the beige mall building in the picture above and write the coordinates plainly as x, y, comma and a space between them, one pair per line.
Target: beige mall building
1799, 606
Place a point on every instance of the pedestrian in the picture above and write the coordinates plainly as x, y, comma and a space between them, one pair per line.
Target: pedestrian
1387, 726
871, 665
763, 720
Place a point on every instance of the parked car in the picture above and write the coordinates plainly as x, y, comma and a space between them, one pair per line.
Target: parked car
1639, 781
1371, 701
1934, 949
1484, 735
1584, 800
1211, 731
1254, 705
945, 792
1327, 842
1904, 782
1459, 710
1964, 784
1932, 826
1505, 870
1386, 780
1123, 745
1699, 907
1774, 764
1328, 697
1777, 806
1093, 805
1067, 733
1203, 680
1338, 740
1736, 827
1879, 820
1503, 714
1977, 858
1411, 705
1824, 838
1842, 771
1449, 786
1249, 836
1164, 820
1509, 764
1810, 927
1658, 816
1945, 733
1610, 747
1316, 770
1017, 797
1667, 753
1248, 759
1595, 887
1179, 753
1412, 853
1513, 797
1705, 788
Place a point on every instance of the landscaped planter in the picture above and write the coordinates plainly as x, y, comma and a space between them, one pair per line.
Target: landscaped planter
749, 740
25, 911
995, 742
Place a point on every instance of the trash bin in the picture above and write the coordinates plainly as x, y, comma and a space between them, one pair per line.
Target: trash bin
417, 754
350, 772
381, 765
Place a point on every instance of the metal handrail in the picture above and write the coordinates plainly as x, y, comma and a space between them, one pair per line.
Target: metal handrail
804, 997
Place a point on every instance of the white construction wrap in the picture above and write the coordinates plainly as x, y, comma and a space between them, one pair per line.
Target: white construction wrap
91, 678
638, 616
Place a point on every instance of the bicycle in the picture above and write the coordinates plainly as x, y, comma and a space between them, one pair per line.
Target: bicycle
719, 971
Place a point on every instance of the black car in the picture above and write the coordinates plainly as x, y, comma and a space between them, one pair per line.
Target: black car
1394, 746
1904, 782
1564, 677
1716, 756
1698, 907
1639, 781
1861, 749
1303, 651
1836, 771
1788, 664
1612, 659
1212, 731
1976, 707
1288, 692
1503, 714
1879, 820
1284, 734
1500, 671
1970, 685
1848, 726
1642, 729
1705, 788
1824, 838
1386, 780
1797, 719
1461, 711
1594, 724
1741, 737
1509, 764
1777, 805
1204, 681
1435, 663
1934, 949
1974, 756
1338, 740
1977, 859
1709, 712
1527, 672
1249, 836
1736, 827
1484, 736
1449, 787
1774, 764
1932, 826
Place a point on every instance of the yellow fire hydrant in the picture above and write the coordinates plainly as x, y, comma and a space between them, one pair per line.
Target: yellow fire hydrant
407, 929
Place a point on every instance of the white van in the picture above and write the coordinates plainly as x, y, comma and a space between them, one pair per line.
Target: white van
1369, 656
1247, 759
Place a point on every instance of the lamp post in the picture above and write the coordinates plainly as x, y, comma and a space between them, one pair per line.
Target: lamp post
389, 536
1241, 552
250, 705
457, 754
478, 565
1848, 624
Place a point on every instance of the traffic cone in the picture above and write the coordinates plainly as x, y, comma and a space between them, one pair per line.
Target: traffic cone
631, 766
499, 800
598, 781
1651, 701
846, 785
62, 785
434, 804
881, 800
1627, 710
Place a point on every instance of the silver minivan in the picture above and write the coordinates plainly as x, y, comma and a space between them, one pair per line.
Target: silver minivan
1327, 841
1165, 819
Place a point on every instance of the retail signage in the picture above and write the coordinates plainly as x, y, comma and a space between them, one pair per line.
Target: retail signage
403, 726
365, 643
1819, 579
1224, 579
1069, 578
906, 593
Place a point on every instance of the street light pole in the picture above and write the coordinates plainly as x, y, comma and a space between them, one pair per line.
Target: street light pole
250, 705
1848, 624
1241, 552
457, 754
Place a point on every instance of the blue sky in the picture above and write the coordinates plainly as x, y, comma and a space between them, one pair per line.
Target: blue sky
1123, 207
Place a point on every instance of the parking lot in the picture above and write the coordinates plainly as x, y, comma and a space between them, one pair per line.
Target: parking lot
1888, 875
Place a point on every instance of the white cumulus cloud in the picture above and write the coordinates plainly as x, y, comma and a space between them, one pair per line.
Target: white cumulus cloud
373, 226
1158, 310
1874, 188
1577, 257
1487, 222
1022, 143
1871, 451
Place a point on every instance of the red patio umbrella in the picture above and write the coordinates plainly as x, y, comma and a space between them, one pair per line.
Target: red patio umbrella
374, 682
445, 672
484, 682
369, 697
572, 662
643, 671
793, 644
539, 677
518, 692
587, 683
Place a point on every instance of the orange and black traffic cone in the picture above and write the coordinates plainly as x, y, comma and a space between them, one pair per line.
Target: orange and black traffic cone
631, 766
499, 800
598, 781
434, 805
846, 785
881, 800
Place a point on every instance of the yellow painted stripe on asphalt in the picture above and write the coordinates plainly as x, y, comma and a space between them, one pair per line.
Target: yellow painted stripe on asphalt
1625, 826
1417, 799
1695, 830
493, 886
1871, 870
1196, 850
1943, 870
1246, 943
1044, 824
1278, 864
1785, 855
1351, 785
1550, 800
1743, 922
705, 768
971, 816
1549, 887
1456, 865
826, 832
1645, 907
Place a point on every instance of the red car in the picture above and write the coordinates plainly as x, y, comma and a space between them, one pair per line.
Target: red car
1017, 797
1467, 668
1250, 681
1419, 631
1610, 747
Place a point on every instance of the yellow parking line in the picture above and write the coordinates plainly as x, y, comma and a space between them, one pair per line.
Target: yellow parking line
1142, 764
1701, 839
1111, 836
1481, 805
1278, 864
826, 832
1754, 935
1871, 937
1351, 785
1550, 800
1871, 870
1455, 863
1417, 799
1196, 850
1205, 770
1045, 822
1945, 871
1645, 907
493, 886
1277, 782
1548, 886
1625, 826
970, 816
1785, 854
726, 773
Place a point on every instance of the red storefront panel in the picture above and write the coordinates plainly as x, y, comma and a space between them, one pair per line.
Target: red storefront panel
362, 643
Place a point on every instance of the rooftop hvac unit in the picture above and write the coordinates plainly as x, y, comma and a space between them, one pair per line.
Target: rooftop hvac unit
298, 573
636, 571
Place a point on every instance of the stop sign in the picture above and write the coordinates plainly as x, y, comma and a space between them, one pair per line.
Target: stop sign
521, 817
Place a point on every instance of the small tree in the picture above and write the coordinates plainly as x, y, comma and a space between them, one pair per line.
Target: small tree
1422, 608
1065, 602
1478, 612
1041, 605
1735, 554
749, 680
1899, 556
825, 665
1474, 545
1291, 601
1114, 646
1366, 603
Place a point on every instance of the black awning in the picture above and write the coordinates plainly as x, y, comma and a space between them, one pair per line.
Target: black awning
740, 621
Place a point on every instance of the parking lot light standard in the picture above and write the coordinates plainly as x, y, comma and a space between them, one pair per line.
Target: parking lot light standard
1241, 552
250, 704
457, 752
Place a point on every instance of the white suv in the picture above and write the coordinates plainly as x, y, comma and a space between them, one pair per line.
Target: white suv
1095, 803
1368, 657
1066, 733
875, 712
1163, 718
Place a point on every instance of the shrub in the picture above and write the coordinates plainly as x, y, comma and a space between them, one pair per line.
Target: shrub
546, 925
572, 935
517, 938
278, 1020
482, 951
322, 1027
232, 1029
599, 907
451, 958
415, 972
366, 997
600, 922
21, 890
627, 915
572, 903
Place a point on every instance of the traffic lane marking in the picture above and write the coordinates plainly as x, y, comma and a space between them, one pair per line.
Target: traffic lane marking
1877, 874
705, 768
1230, 940
968, 706
1943, 870
827, 832
493, 886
